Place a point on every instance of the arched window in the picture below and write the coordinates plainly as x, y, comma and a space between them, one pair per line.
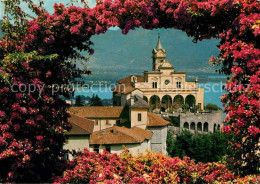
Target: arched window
218, 127
145, 98
206, 127
215, 128
154, 102
186, 125
199, 126
133, 79
166, 102
190, 101
192, 126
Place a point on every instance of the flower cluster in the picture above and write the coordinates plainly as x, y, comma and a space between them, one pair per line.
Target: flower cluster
89, 167
28, 119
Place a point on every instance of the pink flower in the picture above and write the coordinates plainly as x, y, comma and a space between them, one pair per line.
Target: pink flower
17, 127
39, 138
49, 40
35, 27
75, 30
23, 110
253, 130
15, 107
155, 22
30, 122
254, 79
226, 129
5, 127
48, 74
2, 141
2, 114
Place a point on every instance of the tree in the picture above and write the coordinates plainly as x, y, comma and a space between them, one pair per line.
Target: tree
212, 107
210, 147
95, 101
79, 101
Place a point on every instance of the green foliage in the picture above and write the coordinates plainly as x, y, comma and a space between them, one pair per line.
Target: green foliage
95, 101
79, 101
201, 147
212, 107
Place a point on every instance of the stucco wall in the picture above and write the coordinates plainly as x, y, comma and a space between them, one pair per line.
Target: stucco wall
77, 143
134, 149
158, 140
102, 124
134, 117
200, 98
215, 117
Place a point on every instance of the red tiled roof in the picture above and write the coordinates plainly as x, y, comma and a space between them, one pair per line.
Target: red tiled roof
97, 111
155, 120
120, 135
80, 126
123, 88
128, 79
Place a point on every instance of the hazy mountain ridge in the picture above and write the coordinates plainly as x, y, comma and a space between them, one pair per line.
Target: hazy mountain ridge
117, 55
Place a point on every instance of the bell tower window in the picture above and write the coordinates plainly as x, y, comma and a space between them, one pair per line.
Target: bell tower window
178, 84
139, 117
154, 84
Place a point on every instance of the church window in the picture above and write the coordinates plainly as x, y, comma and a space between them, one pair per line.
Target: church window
167, 82
178, 84
154, 84
139, 117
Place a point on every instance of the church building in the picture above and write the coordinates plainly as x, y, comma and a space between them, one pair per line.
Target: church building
165, 89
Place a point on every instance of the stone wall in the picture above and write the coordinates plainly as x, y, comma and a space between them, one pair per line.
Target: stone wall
158, 140
199, 122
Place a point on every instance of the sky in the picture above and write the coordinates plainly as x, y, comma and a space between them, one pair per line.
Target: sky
49, 7
47, 4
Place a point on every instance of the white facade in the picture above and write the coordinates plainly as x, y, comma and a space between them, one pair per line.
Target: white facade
76, 142
134, 149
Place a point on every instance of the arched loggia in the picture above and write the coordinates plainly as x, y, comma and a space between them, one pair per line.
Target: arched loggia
190, 100
154, 102
178, 101
166, 103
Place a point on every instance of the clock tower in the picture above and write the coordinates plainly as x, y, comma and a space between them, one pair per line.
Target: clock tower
159, 55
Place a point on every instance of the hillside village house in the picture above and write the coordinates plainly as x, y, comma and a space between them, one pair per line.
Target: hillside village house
103, 117
79, 135
130, 125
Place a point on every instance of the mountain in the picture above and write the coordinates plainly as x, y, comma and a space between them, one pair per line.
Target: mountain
117, 55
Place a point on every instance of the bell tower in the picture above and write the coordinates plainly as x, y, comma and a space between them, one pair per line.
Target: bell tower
159, 55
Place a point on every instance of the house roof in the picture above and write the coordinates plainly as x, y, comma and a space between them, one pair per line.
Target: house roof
97, 111
155, 120
123, 88
120, 135
138, 102
80, 126
128, 79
